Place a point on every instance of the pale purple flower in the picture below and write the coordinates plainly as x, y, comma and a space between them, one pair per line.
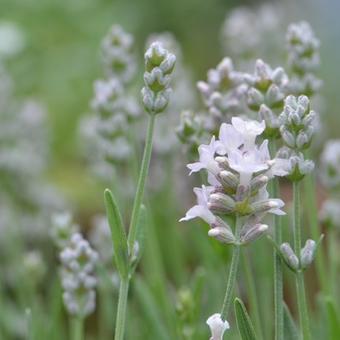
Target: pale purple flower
206, 158
217, 326
249, 129
201, 208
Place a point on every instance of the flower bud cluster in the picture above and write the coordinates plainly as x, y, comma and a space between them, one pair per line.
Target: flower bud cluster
266, 93
297, 129
159, 65
79, 283
303, 58
115, 111
224, 91
238, 173
305, 258
117, 54
182, 97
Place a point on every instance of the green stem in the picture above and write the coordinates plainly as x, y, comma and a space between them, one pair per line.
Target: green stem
251, 289
141, 181
310, 196
121, 310
124, 284
300, 286
78, 328
232, 273
278, 277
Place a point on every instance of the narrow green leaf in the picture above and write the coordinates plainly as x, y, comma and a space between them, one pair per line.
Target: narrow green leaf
333, 320
244, 323
120, 248
290, 330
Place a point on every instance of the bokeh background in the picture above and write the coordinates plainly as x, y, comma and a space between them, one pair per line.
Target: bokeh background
57, 63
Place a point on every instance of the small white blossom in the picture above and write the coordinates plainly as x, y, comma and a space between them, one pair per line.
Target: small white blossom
201, 209
217, 326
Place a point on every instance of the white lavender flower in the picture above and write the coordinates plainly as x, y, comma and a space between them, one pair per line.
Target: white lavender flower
117, 54
217, 326
79, 260
159, 65
330, 165
303, 58
238, 173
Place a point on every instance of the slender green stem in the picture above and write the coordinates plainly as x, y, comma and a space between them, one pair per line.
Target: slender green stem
141, 181
310, 197
251, 289
300, 286
121, 310
278, 277
78, 328
124, 284
232, 272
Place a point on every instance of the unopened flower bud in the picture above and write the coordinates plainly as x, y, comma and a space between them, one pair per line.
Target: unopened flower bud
220, 203
274, 96
228, 180
222, 162
308, 253
222, 234
254, 99
266, 205
258, 182
251, 233
289, 256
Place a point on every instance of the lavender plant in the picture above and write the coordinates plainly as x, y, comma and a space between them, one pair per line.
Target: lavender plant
238, 173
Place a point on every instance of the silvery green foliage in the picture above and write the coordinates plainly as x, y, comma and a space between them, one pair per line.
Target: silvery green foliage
238, 173
78, 263
248, 33
330, 213
303, 58
62, 228
117, 54
266, 93
297, 130
223, 93
330, 165
159, 65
